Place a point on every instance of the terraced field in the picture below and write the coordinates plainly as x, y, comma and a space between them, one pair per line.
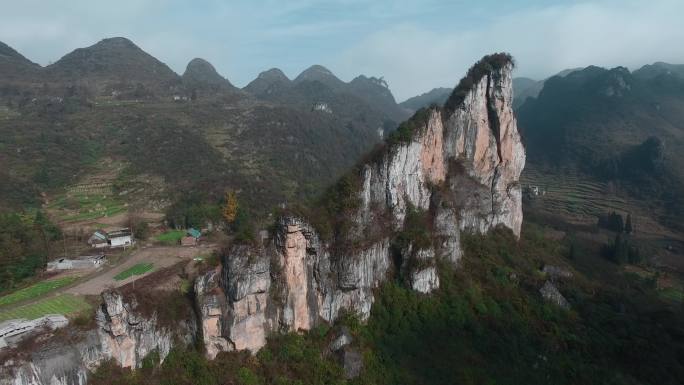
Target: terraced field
580, 200
86, 205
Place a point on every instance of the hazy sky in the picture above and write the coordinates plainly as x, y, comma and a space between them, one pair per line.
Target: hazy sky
416, 45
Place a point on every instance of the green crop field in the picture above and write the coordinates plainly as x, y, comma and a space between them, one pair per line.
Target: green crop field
87, 204
36, 290
673, 294
63, 304
170, 237
140, 268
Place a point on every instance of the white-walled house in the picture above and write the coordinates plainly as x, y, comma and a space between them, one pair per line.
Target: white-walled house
120, 238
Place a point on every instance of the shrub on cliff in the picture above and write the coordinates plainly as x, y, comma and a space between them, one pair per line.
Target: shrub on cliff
479, 70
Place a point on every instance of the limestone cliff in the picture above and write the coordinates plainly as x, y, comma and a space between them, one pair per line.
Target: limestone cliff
122, 334
290, 284
458, 165
447, 170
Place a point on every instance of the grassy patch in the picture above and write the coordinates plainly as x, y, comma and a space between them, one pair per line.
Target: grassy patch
87, 203
63, 304
672, 294
139, 269
36, 290
171, 237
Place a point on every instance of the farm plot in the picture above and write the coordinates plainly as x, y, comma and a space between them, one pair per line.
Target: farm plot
171, 237
36, 290
66, 304
84, 204
139, 269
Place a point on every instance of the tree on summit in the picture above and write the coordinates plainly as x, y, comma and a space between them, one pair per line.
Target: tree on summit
231, 208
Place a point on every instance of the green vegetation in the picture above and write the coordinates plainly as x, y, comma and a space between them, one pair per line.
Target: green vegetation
87, 203
193, 210
482, 68
63, 304
36, 290
409, 129
138, 269
26, 241
601, 124
171, 237
673, 294
287, 359
487, 324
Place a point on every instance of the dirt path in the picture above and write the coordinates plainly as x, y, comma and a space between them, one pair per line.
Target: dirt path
160, 257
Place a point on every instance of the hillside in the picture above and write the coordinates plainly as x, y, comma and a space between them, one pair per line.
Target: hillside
112, 100
615, 126
114, 66
200, 75
434, 96
317, 85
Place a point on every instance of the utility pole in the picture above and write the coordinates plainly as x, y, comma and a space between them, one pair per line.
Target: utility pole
64, 243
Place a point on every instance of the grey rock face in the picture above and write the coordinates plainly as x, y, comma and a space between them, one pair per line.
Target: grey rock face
352, 362
475, 151
122, 334
290, 284
556, 272
128, 337
551, 294
349, 357
55, 363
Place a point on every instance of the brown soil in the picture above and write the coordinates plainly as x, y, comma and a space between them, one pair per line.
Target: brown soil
161, 257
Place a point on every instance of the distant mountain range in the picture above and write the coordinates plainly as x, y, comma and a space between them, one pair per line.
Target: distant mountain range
435, 96
276, 140
616, 126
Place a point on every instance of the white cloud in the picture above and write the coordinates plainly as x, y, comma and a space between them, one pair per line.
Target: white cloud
415, 45
544, 41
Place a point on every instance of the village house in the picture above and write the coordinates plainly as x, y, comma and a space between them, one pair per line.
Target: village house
116, 238
120, 238
191, 238
98, 240
322, 107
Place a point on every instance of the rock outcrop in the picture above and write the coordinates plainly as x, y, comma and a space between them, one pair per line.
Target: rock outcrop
122, 334
551, 294
128, 336
458, 166
290, 284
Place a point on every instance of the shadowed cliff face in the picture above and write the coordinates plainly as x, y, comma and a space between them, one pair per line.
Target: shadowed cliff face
460, 167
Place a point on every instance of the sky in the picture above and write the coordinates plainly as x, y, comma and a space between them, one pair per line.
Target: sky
415, 45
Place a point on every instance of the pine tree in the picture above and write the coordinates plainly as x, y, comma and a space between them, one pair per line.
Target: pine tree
628, 224
230, 210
